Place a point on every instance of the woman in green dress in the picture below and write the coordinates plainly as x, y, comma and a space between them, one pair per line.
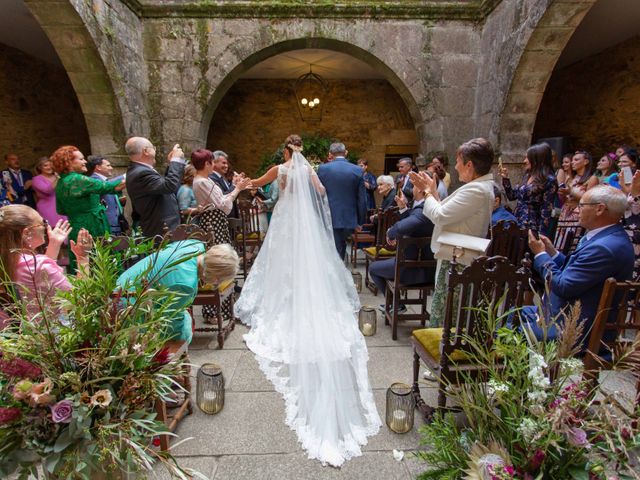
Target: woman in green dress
78, 196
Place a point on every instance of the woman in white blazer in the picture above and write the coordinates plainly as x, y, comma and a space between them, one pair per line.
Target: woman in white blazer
467, 210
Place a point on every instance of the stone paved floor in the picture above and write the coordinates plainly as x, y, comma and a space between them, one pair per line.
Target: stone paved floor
248, 439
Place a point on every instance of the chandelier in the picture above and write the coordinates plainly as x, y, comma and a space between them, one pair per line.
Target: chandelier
310, 89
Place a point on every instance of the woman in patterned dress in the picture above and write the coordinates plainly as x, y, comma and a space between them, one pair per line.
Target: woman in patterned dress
215, 207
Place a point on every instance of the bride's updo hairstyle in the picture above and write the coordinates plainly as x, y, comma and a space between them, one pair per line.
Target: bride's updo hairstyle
293, 141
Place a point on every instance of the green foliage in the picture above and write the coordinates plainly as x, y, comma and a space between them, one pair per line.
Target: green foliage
532, 411
315, 149
99, 351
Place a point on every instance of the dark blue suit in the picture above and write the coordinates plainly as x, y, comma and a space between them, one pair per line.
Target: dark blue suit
413, 224
371, 180
112, 204
23, 196
347, 198
407, 190
581, 275
502, 213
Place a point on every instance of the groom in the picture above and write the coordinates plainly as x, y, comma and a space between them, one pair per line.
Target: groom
346, 194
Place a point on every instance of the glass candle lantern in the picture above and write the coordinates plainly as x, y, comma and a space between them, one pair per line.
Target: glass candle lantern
367, 320
400, 406
210, 388
357, 280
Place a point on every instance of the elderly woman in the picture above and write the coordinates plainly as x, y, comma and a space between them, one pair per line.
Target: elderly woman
178, 268
387, 190
467, 210
22, 231
78, 196
44, 186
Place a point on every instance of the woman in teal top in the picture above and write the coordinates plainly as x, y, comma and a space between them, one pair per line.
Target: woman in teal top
178, 268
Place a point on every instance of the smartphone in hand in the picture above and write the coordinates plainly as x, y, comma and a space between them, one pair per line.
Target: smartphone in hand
628, 175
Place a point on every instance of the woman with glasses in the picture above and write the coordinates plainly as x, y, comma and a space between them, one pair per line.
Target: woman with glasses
78, 196
22, 232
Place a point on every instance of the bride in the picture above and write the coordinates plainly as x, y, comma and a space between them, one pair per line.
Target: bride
301, 305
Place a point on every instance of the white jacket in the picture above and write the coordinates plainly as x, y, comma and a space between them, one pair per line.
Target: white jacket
467, 210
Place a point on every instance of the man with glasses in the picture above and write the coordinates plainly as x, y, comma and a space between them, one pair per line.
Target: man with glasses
153, 197
403, 183
604, 251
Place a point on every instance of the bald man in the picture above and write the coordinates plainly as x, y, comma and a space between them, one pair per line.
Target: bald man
153, 197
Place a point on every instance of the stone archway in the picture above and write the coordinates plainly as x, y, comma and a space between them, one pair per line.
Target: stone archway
68, 33
529, 81
319, 43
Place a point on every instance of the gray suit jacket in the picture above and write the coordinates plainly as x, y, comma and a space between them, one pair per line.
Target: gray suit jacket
153, 197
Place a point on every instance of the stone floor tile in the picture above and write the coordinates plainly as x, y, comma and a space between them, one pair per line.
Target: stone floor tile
296, 466
390, 364
203, 465
227, 359
248, 377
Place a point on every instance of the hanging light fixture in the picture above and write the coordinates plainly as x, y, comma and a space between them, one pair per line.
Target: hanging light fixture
310, 89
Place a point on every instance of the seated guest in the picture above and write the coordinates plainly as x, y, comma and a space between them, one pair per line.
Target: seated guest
22, 231
500, 212
604, 251
387, 189
178, 268
412, 224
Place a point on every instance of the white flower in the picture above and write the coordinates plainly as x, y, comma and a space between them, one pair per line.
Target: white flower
137, 348
538, 378
571, 366
398, 455
493, 386
528, 428
537, 396
536, 361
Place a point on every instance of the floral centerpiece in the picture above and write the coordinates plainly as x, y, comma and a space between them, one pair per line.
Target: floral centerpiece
533, 416
78, 379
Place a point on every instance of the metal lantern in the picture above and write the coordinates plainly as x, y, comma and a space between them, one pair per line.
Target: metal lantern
210, 389
367, 320
357, 280
400, 406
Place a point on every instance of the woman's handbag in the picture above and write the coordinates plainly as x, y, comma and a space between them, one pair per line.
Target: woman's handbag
465, 248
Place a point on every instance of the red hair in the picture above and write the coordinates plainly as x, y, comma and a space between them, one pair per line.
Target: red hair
200, 157
62, 158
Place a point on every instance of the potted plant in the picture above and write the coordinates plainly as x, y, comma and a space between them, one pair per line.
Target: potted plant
532, 416
79, 378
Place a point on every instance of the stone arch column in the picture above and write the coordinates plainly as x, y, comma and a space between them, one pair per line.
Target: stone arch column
302, 43
81, 59
529, 81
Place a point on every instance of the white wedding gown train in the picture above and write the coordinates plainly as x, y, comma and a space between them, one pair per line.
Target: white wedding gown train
301, 305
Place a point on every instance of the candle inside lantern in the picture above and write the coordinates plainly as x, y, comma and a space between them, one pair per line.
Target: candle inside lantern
210, 396
398, 421
367, 329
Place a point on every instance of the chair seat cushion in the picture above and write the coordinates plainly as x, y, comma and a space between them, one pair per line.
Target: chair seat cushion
430, 339
251, 236
383, 252
211, 288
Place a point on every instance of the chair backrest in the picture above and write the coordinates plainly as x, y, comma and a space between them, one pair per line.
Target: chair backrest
508, 240
481, 285
250, 221
567, 236
188, 231
413, 252
618, 314
386, 220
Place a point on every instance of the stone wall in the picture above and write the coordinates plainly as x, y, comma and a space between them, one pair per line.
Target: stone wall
595, 101
255, 117
39, 110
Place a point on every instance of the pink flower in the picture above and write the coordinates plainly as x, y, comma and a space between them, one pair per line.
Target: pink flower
22, 389
577, 437
19, 368
61, 412
9, 415
41, 393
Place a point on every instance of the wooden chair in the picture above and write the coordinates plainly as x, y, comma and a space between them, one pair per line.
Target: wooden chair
381, 249
250, 237
214, 295
508, 240
177, 349
567, 236
397, 292
364, 237
617, 322
444, 351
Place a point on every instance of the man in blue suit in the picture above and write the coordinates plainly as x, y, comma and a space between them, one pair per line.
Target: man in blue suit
100, 168
21, 180
604, 251
412, 224
346, 194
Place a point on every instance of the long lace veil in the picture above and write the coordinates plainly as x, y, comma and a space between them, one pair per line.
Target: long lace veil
301, 303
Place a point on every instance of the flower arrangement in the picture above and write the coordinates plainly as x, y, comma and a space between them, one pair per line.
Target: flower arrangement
533, 416
78, 379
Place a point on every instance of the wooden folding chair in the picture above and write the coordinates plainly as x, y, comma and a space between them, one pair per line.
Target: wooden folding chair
250, 237
381, 249
419, 249
445, 351
508, 240
617, 323
362, 237
567, 236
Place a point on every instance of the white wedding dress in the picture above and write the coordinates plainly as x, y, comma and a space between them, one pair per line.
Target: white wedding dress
301, 305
